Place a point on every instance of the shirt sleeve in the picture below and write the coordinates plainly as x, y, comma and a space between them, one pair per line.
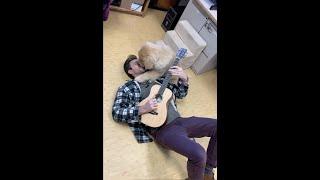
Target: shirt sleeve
180, 90
124, 108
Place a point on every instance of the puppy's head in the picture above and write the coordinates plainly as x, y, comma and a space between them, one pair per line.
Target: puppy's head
148, 55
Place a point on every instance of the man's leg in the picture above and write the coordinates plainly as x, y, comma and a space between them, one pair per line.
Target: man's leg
204, 127
176, 136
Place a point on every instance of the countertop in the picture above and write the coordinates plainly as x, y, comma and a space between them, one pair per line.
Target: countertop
205, 5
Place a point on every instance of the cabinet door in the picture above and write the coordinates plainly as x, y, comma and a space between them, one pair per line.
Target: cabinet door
209, 33
204, 64
194, 16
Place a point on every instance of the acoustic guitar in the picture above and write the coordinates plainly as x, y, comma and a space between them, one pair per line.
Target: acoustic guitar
163, 95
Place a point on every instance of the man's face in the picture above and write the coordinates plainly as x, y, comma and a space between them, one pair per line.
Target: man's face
136, 68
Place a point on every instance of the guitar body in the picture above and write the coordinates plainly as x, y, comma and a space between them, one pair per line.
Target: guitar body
156, 120
158, 117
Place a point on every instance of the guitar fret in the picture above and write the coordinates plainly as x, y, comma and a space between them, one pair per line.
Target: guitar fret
180, 54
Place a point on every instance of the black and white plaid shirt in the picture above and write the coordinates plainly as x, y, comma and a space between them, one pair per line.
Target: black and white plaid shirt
125, 108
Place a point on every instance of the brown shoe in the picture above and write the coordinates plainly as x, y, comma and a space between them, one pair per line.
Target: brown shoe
208, 176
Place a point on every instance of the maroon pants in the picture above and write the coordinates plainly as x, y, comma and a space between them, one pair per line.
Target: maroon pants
177, 136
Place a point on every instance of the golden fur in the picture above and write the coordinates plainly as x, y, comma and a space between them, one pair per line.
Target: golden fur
157, 58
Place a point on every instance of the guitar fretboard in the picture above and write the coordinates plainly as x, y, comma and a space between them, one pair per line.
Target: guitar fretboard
167, 78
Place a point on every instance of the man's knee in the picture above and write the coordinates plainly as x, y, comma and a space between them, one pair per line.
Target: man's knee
198, 155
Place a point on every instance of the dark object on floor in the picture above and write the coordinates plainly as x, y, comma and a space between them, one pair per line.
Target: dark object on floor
173, 15
169, 20
116, 3
214, 5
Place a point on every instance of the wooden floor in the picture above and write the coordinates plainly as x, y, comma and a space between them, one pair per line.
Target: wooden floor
124, 158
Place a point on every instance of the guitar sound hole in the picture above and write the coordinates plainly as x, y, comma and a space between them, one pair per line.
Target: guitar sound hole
158, 98
153, 112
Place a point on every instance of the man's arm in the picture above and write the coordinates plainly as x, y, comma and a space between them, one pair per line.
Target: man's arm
148, 106
181, 89
124, 109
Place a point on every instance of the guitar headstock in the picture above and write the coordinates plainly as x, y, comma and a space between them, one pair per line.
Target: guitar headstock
181, 53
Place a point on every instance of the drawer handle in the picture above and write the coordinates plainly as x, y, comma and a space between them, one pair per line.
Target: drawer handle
209, 28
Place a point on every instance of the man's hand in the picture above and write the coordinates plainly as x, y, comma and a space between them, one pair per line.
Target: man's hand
148, 106
178, 71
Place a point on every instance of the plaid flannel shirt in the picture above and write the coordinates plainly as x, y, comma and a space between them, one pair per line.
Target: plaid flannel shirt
125, 108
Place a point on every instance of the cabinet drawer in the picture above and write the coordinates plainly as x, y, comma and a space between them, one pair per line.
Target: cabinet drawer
203, 64
209, 33
194, 16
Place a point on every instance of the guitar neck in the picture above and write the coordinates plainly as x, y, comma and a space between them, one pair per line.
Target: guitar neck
180, 54
167, 77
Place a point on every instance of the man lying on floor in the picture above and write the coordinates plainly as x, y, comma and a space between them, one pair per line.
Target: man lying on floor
176, 132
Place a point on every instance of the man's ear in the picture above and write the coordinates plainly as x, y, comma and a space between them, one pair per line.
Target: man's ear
130, 71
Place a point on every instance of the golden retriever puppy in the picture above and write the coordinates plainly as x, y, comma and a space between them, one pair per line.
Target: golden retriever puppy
156, 58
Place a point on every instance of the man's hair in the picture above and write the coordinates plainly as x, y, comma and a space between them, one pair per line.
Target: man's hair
126, 65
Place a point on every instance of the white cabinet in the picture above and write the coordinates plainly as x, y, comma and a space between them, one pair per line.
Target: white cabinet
209, 33
204, 64
207, 29
194, 16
